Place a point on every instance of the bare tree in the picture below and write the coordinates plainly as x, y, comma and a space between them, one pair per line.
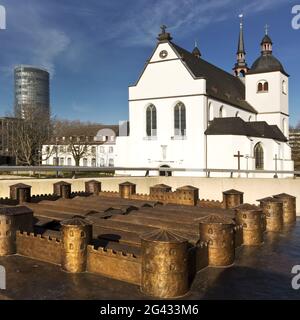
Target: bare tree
30, 134
79, 147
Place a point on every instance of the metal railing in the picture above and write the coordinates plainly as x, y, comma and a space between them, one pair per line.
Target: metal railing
207, 172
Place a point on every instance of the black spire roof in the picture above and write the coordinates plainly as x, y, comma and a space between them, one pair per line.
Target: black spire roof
196, 52
266, 39
267, 62
241, 44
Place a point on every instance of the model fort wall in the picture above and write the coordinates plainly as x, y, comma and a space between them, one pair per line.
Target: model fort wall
38, 247
114, 264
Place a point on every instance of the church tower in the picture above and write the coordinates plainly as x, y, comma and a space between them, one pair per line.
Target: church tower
241, 68
267, 87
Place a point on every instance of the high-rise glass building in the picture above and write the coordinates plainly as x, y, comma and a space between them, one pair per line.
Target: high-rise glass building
31, 90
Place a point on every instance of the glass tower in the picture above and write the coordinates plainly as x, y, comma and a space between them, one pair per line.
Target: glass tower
31, 90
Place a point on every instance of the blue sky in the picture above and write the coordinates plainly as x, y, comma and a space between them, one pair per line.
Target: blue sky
96, 48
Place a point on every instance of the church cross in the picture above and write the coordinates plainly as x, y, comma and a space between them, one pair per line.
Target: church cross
266, 29
163, 29
239, 156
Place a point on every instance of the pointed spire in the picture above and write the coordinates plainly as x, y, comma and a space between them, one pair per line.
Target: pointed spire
196, 52
241, 45
241, 68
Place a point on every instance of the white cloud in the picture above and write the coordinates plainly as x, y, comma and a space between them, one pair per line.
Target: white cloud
35, 38
140, 23
49, 45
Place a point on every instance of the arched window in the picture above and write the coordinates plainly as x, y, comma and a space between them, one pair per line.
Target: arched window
237, 114
250, 119
263, 86
151, 120
284, 87
259, 157
179, 119
221, 112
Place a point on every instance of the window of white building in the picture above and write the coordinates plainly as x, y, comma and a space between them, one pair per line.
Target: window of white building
111, 162
262, 86
284, 87
69, 161
259, 156
85, 162
111, 150
102, 162
221, 112
151, 125
180, 119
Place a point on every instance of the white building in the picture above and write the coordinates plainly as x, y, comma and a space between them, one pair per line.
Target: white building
100, 143
187, 113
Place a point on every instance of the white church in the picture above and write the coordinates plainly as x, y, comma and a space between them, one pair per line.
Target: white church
187, 113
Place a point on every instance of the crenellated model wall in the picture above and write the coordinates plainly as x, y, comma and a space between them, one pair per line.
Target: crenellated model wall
114, 264
38, 247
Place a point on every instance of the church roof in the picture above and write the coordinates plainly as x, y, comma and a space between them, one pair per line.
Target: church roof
267, 63
220, 84
238, 127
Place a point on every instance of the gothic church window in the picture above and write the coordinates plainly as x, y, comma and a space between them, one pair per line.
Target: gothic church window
259, 156
151, 125
180, 119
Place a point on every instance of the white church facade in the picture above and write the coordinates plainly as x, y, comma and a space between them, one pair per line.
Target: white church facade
188, 114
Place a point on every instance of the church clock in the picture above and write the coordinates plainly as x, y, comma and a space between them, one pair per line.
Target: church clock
163, 54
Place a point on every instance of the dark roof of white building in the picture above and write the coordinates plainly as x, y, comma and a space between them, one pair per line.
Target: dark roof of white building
220, 84
238, 127
267, 63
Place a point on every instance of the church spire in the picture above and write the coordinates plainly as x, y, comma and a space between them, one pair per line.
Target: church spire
196, 52
266, 43
241, 68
